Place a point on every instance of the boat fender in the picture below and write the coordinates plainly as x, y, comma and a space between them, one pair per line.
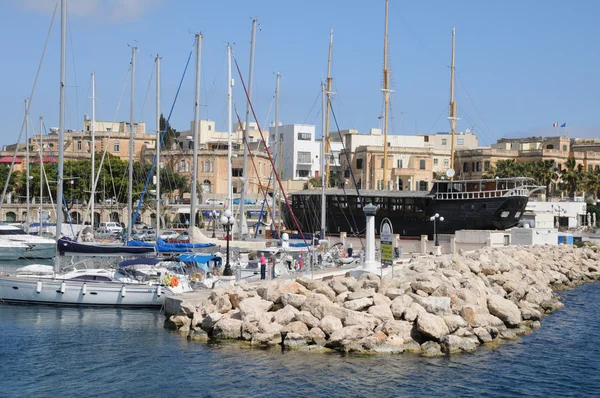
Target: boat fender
158, 290
63, 287
167, 280
343, 255
84, 289
123, 291
38, 287
174, 281
197, 277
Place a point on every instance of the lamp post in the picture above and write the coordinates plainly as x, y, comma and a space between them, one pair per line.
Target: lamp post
213, 214
227, 220
435, 219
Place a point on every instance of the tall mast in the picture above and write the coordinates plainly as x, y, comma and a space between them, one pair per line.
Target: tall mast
328, 93
324, 138
27, 161
41, 152
452, 116
131, 121
61, 124
386, 96
229, 128
195, 138
157, 145
93, 147
246, 175
279, 151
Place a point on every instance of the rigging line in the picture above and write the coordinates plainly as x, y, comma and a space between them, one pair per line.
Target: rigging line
260, 186
417, 39
438, 119
265, 202
351, 172
297, 224
162, 137
472, 104
312, 107
37, 75
74, 69
147, 92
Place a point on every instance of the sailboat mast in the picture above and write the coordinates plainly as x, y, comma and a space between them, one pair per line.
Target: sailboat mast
131, 121
328, 93
27, 161
229, 128
279, 150
157, 145
452, 117
193, 195
324, 139
386, 96
41, 152
61, 123
93, 147
246, 175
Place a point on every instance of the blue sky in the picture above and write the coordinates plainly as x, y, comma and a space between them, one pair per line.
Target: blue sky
521, 65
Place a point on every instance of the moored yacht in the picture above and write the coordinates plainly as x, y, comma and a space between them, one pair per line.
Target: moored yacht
37, 246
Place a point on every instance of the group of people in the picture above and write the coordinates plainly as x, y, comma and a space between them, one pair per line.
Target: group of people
288, 260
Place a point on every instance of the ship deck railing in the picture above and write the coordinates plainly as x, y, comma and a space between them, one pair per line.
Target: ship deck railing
482, 194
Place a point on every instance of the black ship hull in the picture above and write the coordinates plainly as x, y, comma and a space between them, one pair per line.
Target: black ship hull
409, 213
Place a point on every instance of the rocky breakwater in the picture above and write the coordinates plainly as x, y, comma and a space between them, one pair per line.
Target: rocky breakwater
433, 306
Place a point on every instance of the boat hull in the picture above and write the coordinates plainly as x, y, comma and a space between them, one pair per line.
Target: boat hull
12, 253
96, 249
27, 291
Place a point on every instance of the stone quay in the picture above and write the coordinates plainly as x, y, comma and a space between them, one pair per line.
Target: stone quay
434, 305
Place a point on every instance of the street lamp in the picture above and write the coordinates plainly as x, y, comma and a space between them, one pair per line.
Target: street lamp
435, 219
213, 214
227, 220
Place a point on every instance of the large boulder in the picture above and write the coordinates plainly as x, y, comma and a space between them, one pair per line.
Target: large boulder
295, 327
292, 287
452, 344
431, 326
425, 286
285, 315
505, 310
355, 332
210, 320
294, 340
227, 328
307, 318
401, 329
361, 293
434, 305
327, 291
319, 305
380, 299
358, 304
454, 322
355, 318
431, 349
223, 303
309, 283
266, 339
252, 307
381, 311
330, 324
392, 293
337, 286
295, 300
316, 336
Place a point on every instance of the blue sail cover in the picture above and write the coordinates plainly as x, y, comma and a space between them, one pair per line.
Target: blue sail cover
201, 260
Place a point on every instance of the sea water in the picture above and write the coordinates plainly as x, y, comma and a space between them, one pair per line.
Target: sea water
46, 351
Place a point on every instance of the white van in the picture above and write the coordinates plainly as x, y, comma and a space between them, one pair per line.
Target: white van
112, 226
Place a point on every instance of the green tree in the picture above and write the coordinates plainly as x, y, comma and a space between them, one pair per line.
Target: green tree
170, 134
14, 178
591, 182
572, 177
544, 172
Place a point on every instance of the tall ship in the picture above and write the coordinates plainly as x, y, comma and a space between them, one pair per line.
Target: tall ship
472, 204
487, 204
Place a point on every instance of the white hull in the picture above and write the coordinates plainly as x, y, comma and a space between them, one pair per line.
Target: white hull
59, 292
39, 250
12, 253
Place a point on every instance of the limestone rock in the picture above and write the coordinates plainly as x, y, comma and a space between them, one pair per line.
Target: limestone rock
327, 291
380, 299
341, 298
294, 340
452, 344
382, 312
178, 322
361, 293
431, 326
330, 324
354, 332
355, 318
413, 311
425, 286
394, 292
254, 306
316, 336
358, 304
435, 305
295, 327
505, 310
309, 283
197, 335
187, 308
401, 329
319, 305
223, 303
307, 318
292, 287
285, 315
483, 335
227, 328
210, 320
249, 329
337, 286
293, 299
454, 322
266, 339
431, 349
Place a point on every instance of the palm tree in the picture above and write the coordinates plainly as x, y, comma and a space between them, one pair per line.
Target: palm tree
592, 183
544, 172
572, 177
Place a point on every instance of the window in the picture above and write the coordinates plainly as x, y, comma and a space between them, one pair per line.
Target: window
359, 164
446, 162
116, 146
382, 163
472, 166
465, 167
304, 157
302, 173
422, 164
423, 185
564, 148
478, 166
486, 165
444, 141
190, 145
79, 146
435, 161
590, 168
209, 129
460, 141
304, 136
88, 127
549, 146
506, 240
426, 138
399, 163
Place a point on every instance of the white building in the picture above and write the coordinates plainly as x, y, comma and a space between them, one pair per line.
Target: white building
300, 151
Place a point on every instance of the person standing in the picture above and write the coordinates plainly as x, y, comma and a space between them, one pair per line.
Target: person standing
263, 266
273, 262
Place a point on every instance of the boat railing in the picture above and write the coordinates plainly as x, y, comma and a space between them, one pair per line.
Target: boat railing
519, 191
